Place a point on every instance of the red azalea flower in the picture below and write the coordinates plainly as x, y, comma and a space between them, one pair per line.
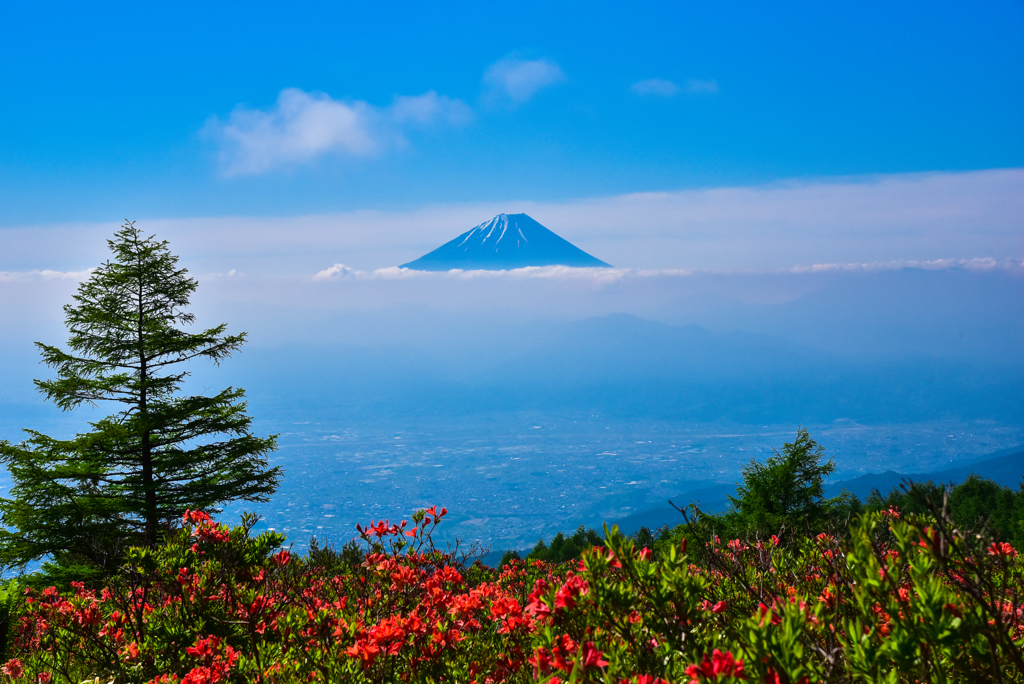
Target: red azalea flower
403, 577
364, 650
541, 661
893, 512
762, 611
505, 607
195, 517
720, 665
593, 657
537, 605
574, 587
13, 668
1002, 549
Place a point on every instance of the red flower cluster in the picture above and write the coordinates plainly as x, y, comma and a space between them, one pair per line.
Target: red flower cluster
216, 660
13, 668
222, 605
205, 530
721, 666
574, 587
1002, 549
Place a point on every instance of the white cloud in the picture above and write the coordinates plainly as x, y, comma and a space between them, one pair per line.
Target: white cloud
655, 86
517, 80
299, 128
608, 275
661, 88
334, 272
430, 108
46, 275
695, 87
676, 254
304, 126
875, 219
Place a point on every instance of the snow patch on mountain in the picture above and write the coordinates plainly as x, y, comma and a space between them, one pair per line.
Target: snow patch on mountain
505, 242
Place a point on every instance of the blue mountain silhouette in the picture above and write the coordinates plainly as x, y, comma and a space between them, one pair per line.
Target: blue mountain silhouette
505, 242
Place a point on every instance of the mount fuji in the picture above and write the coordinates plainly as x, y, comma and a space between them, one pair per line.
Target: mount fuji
505, 242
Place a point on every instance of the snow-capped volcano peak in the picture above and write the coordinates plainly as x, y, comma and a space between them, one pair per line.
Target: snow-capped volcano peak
492, 232
487, 229
506, 241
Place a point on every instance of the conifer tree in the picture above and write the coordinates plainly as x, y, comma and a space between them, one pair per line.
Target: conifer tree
81, 501
787, 490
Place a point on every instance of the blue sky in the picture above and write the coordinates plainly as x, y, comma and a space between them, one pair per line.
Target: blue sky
293, 155
161, 110
843, 181
846, 177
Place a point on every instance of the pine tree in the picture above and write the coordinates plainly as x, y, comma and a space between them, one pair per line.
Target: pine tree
787, 490
81, 501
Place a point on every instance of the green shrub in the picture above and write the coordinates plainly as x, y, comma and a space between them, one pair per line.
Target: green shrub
896, 598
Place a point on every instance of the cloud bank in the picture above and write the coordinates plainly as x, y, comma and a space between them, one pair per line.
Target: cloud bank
716, 257
799, 223
606, 275
45, 275
302, 127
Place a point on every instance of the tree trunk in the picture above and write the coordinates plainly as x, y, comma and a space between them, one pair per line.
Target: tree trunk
147, 447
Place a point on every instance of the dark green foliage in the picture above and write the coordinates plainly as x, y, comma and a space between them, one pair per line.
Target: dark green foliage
508, 557
10, 593
976, 504
784, 496
83, 501
329, 559
564, 548
658, 542
925, 495
787, 491
644, 538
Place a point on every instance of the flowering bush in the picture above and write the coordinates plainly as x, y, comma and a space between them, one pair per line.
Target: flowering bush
895, 599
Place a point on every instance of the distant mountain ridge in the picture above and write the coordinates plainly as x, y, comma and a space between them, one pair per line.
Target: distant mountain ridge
1005, 467
505, 242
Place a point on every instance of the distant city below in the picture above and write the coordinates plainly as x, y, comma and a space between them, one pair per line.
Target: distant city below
505, 242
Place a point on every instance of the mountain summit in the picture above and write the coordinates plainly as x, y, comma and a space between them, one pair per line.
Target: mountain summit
505, 242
